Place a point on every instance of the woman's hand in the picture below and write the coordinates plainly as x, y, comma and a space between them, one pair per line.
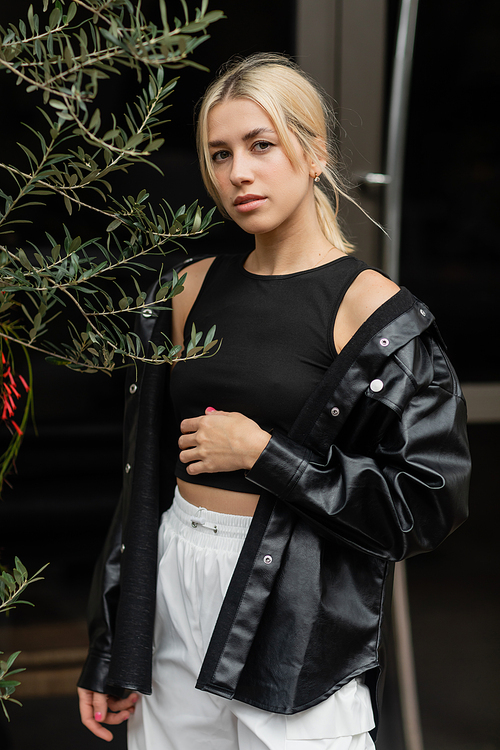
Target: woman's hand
220, 441
98, 708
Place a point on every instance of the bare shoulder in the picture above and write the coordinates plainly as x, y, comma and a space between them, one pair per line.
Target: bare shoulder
365, 295
182, 303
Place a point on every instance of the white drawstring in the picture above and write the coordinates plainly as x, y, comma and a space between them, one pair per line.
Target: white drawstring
197, 520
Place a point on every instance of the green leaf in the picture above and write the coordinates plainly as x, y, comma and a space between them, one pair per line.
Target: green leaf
134, 141
210, 336
174, 351
75, 244
197, 221
113, 225
71, 12
162, 292
95, 122
154, 145
195, 350
20, 567
11, 660
24, 259
54, 18
57, 105
111, 134
30, 18
176, 227
31, 156
68, 56
209, 346
185, 8
9, 581
164, 20
213, 15
17, 577
57, 361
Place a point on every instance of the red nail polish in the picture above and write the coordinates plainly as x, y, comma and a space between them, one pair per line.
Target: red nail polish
98, 716
210, 409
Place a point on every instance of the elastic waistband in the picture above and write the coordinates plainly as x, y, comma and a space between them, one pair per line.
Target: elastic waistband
209, 521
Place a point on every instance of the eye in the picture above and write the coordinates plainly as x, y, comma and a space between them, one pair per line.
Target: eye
261, 146
219, 156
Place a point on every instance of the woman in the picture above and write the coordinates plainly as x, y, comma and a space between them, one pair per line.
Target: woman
324, 441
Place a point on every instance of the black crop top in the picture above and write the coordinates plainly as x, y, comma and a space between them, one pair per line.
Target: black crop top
277, 343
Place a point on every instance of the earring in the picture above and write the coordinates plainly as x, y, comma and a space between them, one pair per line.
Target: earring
316, 177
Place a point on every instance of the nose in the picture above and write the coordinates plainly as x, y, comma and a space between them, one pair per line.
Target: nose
241, 171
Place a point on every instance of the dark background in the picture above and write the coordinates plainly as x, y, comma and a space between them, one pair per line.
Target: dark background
69, 473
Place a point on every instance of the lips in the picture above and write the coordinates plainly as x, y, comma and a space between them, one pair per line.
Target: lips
248, 202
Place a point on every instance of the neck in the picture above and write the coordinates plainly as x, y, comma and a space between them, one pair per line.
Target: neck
282, 255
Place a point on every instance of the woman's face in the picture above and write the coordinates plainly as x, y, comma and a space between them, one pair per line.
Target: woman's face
258, 185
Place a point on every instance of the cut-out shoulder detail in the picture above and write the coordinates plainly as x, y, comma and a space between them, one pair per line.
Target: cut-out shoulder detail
365, 295
182, 303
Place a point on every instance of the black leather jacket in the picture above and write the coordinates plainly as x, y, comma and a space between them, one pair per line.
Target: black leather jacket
375, 469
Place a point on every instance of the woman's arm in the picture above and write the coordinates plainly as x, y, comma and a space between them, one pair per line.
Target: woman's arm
407, 491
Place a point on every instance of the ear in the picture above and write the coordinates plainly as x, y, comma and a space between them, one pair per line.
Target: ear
319, 158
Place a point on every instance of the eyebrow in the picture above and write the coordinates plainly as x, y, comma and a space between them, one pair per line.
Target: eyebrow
247, 137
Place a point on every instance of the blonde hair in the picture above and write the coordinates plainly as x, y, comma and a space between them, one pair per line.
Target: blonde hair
294, 104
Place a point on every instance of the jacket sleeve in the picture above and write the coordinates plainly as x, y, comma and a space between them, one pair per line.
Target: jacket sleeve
106, 584
401, 496
102, 607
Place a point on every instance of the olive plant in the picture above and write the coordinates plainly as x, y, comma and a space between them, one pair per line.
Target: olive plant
12, 587
60, 55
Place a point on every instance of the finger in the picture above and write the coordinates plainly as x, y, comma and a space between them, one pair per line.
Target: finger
187, 441
109, 712
187, 457
121, 704
198, 467
120, 717
190, 425
203, 464
93, 705
100, 704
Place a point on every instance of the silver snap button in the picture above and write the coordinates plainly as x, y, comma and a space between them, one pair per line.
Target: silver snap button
133, 388
268, 559
335, 411
127, 468
422, 312
122, 548
384, 342
147, 313
376, 385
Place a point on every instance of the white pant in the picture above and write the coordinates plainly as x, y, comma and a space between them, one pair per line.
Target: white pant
195, 566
